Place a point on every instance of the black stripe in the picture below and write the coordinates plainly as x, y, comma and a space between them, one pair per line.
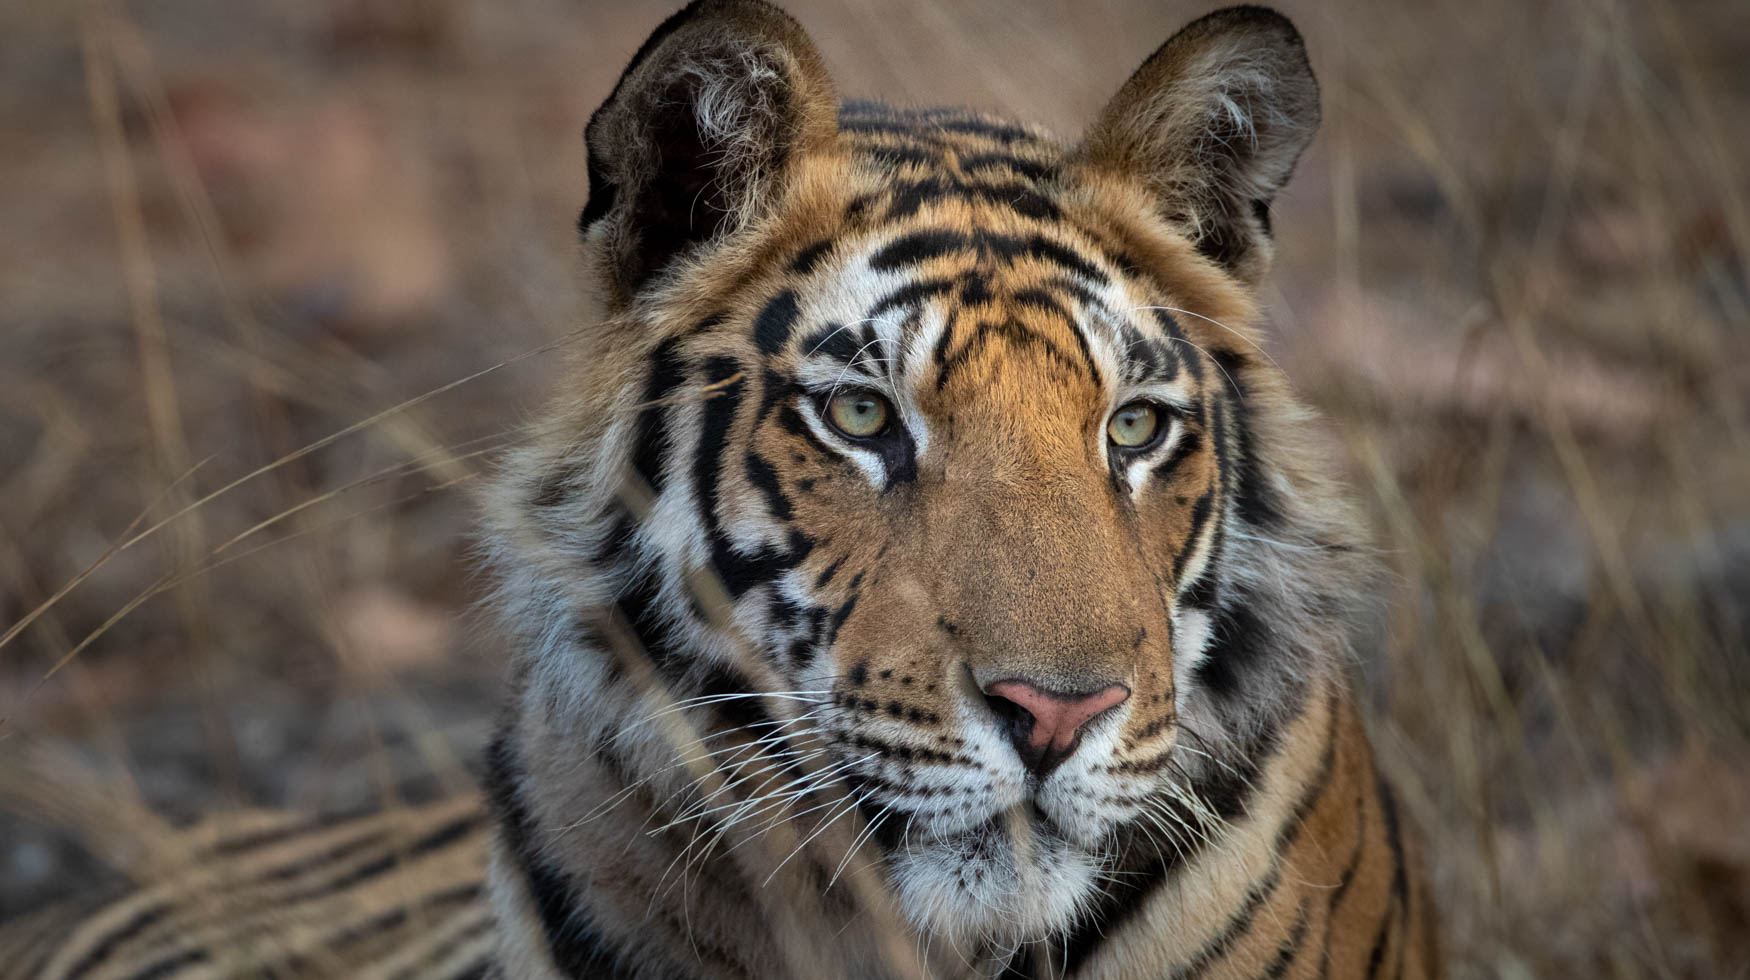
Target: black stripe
792, 422
1044, 249
876, 125
842, 613
906, 198
999, 132
1146, 359
1005, 248
1290, 948
1237, 926
640, 606
899, 155
917, 247
833, 340
573, 942
1400, 881
1016, 333
1255, 499
737, 571
1030, 169
1188, 443
805, 260
1345, 878
737, 708
912, 294
1226, 790
1241, 923
1242, 642
974, 288
1040, 300
650, 442
774, 388
1376, 958
1193, 359
771, 328
1200, 512
939, 354
1219, 441
765, 479
1397, 911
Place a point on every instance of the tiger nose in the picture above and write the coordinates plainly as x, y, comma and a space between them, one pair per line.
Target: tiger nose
1046, 726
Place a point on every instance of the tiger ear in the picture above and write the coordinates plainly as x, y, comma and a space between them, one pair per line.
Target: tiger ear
1214, 122
696, 138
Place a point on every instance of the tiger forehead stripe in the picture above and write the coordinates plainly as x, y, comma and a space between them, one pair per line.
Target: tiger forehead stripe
917, 247
1082, 304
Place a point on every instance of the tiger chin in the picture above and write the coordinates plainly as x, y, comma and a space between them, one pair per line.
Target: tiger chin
923, 570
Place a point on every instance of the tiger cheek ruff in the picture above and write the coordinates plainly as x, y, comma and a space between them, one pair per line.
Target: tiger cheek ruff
923, 571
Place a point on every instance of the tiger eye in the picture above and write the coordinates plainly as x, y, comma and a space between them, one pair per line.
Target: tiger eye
858, 414
1134, 425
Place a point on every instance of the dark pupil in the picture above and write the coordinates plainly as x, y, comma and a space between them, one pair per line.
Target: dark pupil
863, 408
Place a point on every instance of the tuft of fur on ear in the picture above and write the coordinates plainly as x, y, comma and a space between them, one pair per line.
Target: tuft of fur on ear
1214, 122
696, 138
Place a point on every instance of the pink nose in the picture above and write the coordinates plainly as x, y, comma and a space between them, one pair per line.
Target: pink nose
1046, 726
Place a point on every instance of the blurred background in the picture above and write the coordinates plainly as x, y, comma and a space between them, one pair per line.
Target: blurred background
280, 277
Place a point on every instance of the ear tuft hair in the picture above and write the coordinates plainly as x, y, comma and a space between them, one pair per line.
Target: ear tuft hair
698, 134
1214, 121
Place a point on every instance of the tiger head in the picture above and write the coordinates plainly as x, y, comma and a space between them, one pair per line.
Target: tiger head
951, 436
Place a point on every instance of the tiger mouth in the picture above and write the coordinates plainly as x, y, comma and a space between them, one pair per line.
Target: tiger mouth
1014, 826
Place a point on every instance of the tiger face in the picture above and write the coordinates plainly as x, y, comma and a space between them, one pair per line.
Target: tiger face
964, 476
948, 432
1000, 448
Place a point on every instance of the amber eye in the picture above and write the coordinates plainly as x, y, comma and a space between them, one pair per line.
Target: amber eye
1134, 426
858, 414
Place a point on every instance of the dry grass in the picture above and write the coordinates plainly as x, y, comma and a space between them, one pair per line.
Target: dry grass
280, 277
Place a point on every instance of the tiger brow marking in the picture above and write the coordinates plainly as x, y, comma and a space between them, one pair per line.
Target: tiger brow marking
772, 327
1031, 169
841, 328
1249, 341
917, 247
1016, 333
1039, 299
913, 293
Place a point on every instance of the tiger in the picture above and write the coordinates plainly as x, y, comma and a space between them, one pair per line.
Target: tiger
922, 571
